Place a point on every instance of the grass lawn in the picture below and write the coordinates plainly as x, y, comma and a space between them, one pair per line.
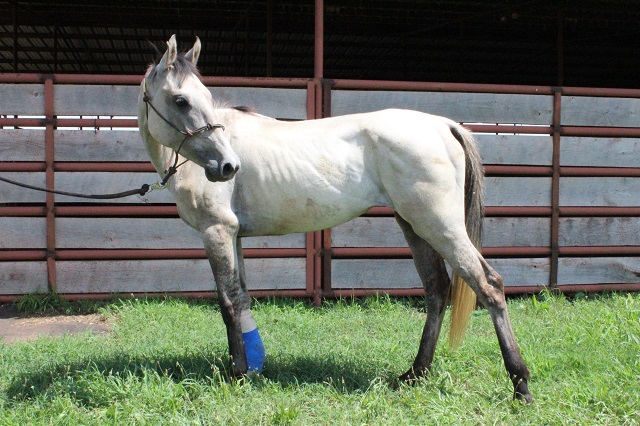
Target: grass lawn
165, 363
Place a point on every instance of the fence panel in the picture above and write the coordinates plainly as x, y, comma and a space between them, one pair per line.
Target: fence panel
599, 231
461, 107
600, 111
10, 194
147, 233
107, 183
21, 145
598, 270
600, 152
569, 218
173, 275
23, 278
288, 104
600, 191
23, 99
515, 149
23, 233
81, 99
101, 145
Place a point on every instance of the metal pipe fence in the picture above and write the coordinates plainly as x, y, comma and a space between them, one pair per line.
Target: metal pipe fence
562, 202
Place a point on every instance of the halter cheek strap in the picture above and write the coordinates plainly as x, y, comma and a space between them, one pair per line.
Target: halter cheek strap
187, 133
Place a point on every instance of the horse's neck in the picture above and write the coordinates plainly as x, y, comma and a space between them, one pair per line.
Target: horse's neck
159, 154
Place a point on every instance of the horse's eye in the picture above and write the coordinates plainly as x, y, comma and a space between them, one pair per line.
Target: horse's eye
181, 102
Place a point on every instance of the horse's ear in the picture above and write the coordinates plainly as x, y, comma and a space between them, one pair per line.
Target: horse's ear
193, 54
169, 56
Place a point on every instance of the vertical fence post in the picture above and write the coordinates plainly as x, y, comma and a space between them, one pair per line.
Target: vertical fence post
318, 72
314, 239
317, 235
326, 251
318, 46
555, 188
50, 182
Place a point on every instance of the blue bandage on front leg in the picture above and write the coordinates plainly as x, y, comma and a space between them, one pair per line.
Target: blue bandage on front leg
253, 347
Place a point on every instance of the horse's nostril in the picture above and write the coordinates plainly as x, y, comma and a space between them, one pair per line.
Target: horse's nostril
228, 170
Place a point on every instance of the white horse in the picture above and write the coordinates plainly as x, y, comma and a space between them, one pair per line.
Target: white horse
253, 175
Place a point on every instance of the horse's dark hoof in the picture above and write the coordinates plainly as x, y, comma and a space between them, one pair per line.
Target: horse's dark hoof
521, 392
526, 398
409, 378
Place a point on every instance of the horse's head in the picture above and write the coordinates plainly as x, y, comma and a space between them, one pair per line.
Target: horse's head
179, 113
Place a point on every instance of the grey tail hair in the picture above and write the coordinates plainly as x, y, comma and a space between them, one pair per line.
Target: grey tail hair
463, 299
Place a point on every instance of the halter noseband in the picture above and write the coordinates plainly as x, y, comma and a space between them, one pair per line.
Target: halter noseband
187, 133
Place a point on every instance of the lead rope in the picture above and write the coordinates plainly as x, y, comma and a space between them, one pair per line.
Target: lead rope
144, 189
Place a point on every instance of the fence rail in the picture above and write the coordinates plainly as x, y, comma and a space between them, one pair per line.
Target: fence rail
563, 190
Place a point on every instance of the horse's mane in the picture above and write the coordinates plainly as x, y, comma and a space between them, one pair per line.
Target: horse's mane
182, 67
243, 108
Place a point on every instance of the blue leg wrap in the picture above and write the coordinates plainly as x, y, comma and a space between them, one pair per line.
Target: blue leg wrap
254, 350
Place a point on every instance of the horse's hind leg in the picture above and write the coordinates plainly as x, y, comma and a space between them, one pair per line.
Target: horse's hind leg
447, 234
488, 285
436, 282
492, 296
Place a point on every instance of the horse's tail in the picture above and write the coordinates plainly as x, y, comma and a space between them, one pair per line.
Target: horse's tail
463, 299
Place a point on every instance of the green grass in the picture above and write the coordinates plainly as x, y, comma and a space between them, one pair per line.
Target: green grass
165, 363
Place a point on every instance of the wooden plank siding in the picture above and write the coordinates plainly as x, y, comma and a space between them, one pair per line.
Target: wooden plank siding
139, 245
461, 107
22, 145
175, 275
23, 99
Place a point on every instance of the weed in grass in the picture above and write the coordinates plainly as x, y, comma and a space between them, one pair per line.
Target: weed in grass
54, 303
36, 303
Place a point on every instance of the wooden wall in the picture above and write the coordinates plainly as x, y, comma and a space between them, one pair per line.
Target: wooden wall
563, 192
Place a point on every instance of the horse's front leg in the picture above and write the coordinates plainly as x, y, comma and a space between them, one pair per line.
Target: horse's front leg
226, 262
253, 346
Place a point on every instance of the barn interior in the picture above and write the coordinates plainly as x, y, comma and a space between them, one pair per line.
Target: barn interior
526, 42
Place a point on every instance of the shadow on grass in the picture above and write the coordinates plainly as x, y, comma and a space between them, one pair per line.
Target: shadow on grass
208, 367
79, 379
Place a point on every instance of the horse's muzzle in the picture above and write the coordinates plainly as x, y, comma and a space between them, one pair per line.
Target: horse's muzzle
221, 171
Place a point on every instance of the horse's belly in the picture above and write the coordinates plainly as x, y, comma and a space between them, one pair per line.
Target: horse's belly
301, 214
307, 187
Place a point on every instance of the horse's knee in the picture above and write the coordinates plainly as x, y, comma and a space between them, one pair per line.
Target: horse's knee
226, 309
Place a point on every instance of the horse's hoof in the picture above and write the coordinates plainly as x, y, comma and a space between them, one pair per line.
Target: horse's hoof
521, 392
251, 374
526, 398
409, 378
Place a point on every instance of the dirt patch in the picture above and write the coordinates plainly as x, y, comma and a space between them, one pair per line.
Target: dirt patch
14, 327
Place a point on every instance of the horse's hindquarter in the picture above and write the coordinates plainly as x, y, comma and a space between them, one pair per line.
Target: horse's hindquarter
304, 176
423, 165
